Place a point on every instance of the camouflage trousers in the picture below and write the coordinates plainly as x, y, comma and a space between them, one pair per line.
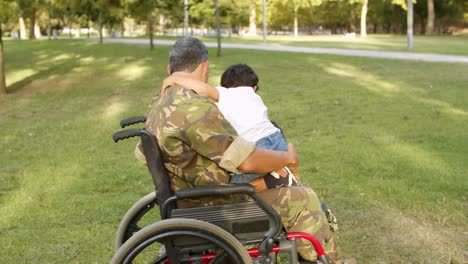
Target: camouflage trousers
300, 211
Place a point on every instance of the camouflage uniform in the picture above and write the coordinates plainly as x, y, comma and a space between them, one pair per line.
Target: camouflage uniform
199, 148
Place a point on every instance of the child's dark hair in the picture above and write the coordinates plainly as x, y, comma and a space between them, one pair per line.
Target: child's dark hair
239, 75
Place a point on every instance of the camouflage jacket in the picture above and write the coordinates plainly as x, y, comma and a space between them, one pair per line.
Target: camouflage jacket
198, 145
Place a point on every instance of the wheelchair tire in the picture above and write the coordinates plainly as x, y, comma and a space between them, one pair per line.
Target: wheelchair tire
128, 224
168, 228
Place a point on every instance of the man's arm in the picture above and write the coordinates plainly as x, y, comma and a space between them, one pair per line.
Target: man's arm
183, 79
265, 160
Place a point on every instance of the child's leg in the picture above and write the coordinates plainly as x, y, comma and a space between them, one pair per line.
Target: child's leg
245, 177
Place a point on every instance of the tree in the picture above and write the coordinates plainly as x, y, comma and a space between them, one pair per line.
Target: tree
109, 12
277, 12
142, 9
297, 4
8, 9
410, 24
430, 17
29, 8
363, 18
218, 27
88, 8
252, 18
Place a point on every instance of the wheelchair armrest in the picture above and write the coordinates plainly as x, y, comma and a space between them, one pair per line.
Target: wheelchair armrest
215, 190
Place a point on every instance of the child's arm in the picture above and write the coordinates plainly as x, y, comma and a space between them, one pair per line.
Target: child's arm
190, 83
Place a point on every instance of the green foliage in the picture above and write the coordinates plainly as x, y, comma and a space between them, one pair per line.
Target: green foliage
8, 11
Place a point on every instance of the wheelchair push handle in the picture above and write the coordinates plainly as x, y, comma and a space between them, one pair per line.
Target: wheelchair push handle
132, 120
127, 133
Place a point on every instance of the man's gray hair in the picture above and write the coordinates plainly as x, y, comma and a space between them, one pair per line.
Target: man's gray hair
186, 54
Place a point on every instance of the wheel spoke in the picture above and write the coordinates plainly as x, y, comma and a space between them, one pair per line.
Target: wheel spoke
220, 255
160, 260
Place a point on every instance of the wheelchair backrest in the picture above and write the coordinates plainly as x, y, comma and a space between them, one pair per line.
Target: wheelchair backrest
156, 167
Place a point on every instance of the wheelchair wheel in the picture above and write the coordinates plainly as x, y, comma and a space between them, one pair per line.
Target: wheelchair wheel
130, 222
190, 241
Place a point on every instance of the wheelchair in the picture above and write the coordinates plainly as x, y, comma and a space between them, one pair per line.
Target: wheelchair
244, 232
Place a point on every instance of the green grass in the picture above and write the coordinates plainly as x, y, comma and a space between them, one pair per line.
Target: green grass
454, 45
383, 142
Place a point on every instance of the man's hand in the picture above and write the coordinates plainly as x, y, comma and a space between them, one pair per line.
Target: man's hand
294, 164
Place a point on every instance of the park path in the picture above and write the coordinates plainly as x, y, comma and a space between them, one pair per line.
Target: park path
343, 52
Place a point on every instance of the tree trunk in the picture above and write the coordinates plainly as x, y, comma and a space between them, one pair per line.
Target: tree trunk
229, 27
2, 70
295, 22
264, 21
32, 22
186, 18
150, 29
363, 19
22, 28
122, 28
252, 19
70, 28
430, 17
100, 26
49, 28
88, 26
218, 27
77, 32
409, 30
352, 25
162, 22
37, 31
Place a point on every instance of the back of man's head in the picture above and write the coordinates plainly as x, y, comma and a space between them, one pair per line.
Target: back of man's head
186, 54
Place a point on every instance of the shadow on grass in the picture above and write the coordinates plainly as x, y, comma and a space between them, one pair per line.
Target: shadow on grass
59, 169
384, 158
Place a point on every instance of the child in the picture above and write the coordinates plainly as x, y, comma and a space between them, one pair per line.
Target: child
248, 115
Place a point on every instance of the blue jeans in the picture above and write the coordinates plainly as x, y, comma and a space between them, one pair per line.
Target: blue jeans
275, 141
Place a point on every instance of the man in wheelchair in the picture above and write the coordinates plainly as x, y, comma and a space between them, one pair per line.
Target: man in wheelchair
199, 147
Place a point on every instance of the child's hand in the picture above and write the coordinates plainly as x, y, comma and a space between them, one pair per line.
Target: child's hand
169, 81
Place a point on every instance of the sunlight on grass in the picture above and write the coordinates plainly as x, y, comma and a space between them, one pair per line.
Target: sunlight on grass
423, 158
19, 75
87, 60
445, 107
132, 72
369, 81
418, 236
455, 111
114, 109
35, 186
61, 57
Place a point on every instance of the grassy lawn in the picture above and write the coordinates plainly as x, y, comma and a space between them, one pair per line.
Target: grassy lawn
454, 45
383, 142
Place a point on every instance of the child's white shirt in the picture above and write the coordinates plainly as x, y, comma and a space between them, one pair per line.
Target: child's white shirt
246, 112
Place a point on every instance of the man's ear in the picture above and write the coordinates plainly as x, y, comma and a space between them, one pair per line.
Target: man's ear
204, 68
168, 69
